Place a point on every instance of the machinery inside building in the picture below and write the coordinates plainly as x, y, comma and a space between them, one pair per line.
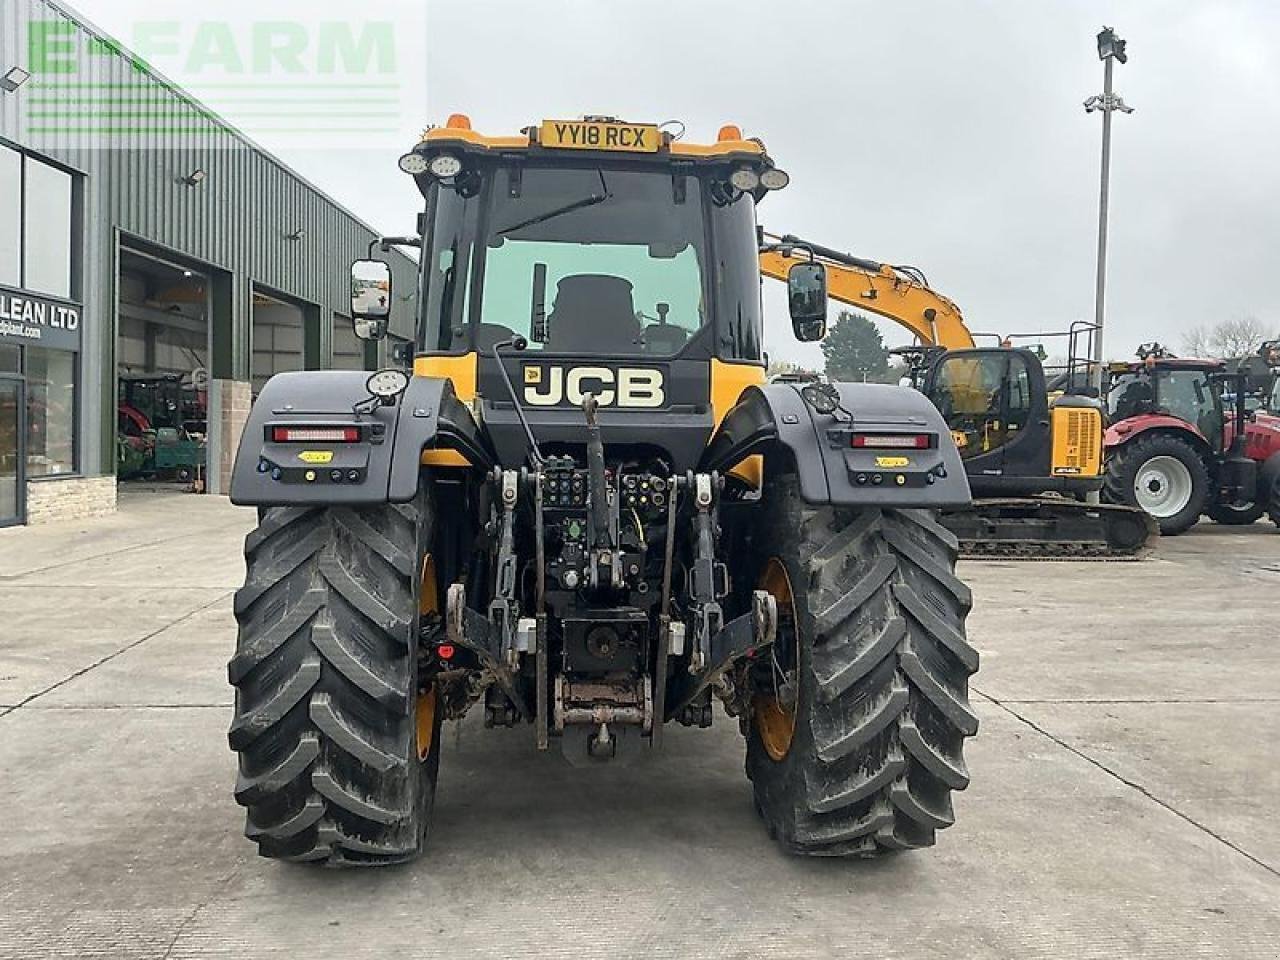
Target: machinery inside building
162, 362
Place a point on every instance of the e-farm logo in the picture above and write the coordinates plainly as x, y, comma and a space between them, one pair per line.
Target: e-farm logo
312, 79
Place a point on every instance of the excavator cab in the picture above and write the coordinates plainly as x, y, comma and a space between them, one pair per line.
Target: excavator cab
1013, 439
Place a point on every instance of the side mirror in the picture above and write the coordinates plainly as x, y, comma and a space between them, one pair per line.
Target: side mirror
369, 328
807, 300
370, 298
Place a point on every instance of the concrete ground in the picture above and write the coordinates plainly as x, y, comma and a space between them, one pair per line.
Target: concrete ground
1123, 799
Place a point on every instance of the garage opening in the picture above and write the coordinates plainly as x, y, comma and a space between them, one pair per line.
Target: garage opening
348, 349
279, 338
162, 361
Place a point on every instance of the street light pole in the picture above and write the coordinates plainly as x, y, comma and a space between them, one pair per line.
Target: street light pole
1110, 48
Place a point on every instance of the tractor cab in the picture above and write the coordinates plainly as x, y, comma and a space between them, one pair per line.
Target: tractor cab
1161, 385
592, 257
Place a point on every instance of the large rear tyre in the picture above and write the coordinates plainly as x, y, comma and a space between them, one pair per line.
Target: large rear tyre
1162, 474
338, 744
857, 730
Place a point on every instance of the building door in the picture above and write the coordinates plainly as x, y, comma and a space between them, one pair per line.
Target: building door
13, 453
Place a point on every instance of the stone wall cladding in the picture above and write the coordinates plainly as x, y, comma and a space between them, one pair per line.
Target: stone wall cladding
74, 498
229, 402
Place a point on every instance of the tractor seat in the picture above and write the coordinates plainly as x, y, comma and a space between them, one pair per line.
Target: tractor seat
593, 313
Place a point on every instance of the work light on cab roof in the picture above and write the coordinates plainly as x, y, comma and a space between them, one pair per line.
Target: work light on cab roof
446, 152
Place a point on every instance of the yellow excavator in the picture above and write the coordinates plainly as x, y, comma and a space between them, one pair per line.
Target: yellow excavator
1032, 459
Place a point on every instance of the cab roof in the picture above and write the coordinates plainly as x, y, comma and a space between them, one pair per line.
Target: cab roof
1167, 363
458, 134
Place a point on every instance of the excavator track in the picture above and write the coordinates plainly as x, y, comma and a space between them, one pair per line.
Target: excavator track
1051, 528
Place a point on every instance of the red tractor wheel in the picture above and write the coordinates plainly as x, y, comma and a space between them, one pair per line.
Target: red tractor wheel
1162, 474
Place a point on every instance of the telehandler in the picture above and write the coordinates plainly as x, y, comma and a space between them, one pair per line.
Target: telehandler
587, 513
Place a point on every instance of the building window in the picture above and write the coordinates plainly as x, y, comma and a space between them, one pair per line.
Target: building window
51, 411
46, 234
10, 217
37, 243
36, 211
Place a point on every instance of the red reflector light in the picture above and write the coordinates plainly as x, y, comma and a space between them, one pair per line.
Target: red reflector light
446, 651
893, 441
315, 434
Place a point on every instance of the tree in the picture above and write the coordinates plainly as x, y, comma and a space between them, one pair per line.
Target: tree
1240, 337
1197, 341
855, 351
1227, 340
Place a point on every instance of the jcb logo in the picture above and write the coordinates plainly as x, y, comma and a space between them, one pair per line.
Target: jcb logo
625, 387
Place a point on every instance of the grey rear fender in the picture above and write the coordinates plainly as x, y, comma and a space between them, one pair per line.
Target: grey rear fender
381, 464
775, 420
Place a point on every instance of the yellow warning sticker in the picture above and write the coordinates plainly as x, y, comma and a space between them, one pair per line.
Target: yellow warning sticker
893, 461
316, 456
532, 374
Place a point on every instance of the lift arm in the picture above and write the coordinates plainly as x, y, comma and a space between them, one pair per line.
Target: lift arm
891, 292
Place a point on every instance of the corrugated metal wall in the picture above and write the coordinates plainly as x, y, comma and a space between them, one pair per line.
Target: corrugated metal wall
238, 220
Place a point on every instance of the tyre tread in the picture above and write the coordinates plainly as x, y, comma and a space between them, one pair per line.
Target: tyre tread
888, 659
325, 679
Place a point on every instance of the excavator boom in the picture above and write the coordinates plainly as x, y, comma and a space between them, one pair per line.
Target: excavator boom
1029, 523
895, 293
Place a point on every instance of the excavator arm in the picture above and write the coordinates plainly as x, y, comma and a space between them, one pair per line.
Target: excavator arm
896, 293
1017, 520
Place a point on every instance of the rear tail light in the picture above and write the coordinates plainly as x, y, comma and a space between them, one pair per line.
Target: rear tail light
315, 434
893, 441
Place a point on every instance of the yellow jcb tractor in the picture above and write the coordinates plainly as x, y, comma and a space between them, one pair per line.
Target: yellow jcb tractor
587, 512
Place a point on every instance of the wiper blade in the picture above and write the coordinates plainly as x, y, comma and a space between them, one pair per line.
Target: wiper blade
590, 201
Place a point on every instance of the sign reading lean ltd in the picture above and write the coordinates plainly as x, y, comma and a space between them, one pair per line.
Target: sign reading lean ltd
36, 321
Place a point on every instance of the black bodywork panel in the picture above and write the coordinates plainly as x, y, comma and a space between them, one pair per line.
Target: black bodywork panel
829, 469
381, 465
679, 426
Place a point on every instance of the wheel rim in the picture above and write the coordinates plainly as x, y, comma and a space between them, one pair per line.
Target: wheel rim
425, 721
1163, 487
775, 712
425, 708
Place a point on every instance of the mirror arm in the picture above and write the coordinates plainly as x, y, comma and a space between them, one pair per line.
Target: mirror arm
386, 243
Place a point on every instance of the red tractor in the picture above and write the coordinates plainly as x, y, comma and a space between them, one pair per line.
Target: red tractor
1172, 450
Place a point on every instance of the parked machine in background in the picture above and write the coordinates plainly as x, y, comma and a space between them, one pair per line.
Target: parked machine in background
1031, 460
1175, 450
161, 424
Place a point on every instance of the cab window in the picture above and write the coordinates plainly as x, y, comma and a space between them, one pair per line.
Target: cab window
593, 261
985, 399
447, 254
1188, 395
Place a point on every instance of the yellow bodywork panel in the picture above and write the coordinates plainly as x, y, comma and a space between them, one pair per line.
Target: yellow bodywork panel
1077, 441
728, 380
933, 318
462, 370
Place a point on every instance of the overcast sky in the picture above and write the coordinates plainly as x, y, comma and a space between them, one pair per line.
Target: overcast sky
950, 136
